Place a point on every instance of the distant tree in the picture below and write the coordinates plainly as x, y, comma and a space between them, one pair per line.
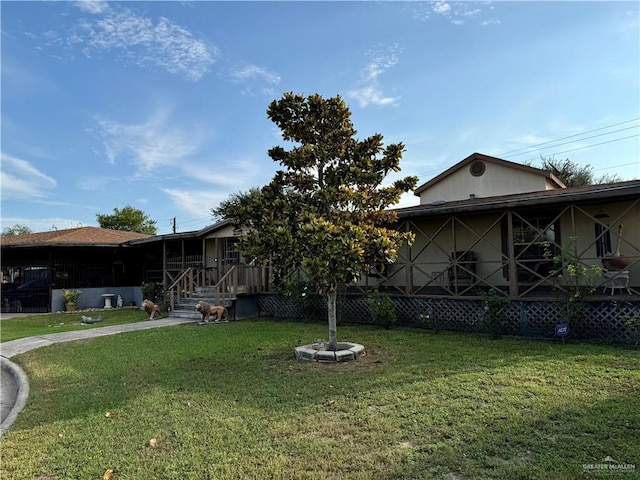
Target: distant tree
574, 175
325, 212
17, 229
234, 204
128, 219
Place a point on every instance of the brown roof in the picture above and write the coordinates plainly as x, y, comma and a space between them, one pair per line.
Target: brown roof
83, 236
609, 191
487, 158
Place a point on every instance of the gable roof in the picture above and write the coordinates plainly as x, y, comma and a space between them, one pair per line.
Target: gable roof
486, 158
82, 236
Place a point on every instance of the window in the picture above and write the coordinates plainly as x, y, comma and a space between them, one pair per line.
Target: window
534, 241
603, 235
231, 255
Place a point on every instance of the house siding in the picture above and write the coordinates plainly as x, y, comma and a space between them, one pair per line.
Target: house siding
497, 180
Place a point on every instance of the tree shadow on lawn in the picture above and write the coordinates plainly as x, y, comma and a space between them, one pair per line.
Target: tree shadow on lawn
254, 368
564, 444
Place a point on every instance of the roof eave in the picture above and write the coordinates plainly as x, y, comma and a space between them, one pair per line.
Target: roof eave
615, 193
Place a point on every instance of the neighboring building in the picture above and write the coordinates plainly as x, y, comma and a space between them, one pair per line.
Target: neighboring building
36, 264
37, 267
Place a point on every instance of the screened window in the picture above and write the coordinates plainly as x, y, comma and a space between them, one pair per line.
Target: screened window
603, 239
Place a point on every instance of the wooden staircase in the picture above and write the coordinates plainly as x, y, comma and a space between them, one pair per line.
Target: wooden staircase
186, 306
223, 293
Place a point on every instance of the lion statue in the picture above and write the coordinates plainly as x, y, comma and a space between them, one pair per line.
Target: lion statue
208, 310
151, 308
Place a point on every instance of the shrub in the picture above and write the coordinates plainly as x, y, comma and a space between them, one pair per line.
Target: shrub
632, 324
495, 320
382, 309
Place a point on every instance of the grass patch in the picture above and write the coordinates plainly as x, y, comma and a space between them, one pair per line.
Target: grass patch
42, 324
229, 402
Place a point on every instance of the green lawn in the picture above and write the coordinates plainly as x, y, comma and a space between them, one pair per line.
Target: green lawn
30, 326
229, 401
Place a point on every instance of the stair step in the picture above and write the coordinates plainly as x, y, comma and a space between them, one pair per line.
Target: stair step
186, 308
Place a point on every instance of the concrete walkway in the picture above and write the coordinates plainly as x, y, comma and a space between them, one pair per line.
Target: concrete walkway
14, 384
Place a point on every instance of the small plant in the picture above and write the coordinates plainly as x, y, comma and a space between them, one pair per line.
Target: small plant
155, 292
382, 309
428, 321
495, 320
632, 324
152, 291
71, 296
575, 281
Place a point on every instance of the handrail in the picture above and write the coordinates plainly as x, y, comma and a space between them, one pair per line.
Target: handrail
220, 286
224, 277
180, 277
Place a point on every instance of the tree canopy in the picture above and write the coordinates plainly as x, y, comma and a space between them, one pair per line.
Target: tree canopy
325, 211
128, 219
574, 175
17, 229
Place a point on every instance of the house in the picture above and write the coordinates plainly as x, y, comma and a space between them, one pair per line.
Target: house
487, 223
483, 225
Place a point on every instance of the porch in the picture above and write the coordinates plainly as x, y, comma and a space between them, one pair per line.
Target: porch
463, 252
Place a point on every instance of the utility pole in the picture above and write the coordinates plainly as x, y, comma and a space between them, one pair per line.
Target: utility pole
174, 224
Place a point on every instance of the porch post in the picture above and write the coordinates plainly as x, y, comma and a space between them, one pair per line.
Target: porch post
164, 263
204, 262
409, 268
513, 272
182, 267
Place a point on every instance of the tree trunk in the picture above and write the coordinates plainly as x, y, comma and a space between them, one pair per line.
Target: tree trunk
332, 296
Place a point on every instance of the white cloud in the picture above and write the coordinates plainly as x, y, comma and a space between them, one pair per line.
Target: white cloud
369, 91
151, 145
253, 71
442, 8
253, 77
455, 12
22, 181
196, 202
493, 21
371, 95
92, 6
161, 44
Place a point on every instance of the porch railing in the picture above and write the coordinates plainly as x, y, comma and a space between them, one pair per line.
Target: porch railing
239, 279
185, 283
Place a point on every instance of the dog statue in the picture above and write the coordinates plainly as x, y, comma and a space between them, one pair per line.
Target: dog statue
151, 308
207, 310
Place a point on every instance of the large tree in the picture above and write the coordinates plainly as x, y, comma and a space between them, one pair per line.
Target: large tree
574, 175
325, 212
128, 219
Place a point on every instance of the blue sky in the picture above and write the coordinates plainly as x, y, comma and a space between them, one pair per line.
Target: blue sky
162, 105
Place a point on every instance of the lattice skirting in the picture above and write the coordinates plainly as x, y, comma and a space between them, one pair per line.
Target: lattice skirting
592, 320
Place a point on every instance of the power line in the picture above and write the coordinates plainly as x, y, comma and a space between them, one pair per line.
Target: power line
571, 136
194, 220
616, 166
431, 172
573, 141
588, 146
